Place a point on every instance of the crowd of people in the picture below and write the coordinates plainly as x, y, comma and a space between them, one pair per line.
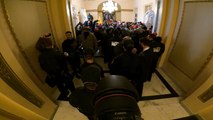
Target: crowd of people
135, 54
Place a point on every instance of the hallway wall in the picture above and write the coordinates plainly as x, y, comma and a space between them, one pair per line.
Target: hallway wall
23, 94
189, 61
140, 5
77, 11
197, 102
23, 32
20, 97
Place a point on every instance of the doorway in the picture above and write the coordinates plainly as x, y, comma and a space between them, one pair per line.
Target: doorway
116, 15
109, 16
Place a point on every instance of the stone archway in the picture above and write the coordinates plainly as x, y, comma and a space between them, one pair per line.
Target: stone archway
115, 15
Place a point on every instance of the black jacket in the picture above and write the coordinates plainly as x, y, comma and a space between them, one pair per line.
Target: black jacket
126, 64
52, 61
146, 62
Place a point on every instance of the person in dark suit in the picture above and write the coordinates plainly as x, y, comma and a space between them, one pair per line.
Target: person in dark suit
158, 49
146, 57
127, 63
54, 64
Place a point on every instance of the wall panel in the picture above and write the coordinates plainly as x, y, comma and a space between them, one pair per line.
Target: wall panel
28, 20
194, 41
189, 59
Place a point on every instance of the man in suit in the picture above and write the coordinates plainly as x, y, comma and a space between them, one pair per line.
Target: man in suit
158, 49
127, 64
146, 58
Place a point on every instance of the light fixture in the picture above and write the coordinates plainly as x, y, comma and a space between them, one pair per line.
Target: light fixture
110, 6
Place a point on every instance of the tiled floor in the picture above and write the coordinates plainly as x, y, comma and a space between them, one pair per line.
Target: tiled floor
159, 108
162, 109
155, 87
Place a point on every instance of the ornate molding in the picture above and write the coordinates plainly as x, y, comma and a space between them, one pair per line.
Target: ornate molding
10, 116
10, 78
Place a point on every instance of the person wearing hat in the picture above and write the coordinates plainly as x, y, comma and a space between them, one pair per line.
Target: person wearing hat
89, 22
146, 57
87, 39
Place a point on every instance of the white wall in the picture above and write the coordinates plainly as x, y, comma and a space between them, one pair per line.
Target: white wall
140, 4
127, 16
28, 20
78, 4
93, 4
190, 51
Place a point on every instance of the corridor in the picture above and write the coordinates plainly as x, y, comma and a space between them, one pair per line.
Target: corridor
160, 100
